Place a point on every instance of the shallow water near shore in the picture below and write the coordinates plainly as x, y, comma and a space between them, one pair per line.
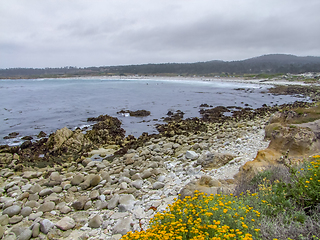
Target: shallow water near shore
31, 106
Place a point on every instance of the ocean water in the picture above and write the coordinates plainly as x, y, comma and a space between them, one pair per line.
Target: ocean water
31, 106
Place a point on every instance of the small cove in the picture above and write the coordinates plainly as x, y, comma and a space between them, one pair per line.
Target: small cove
30, 106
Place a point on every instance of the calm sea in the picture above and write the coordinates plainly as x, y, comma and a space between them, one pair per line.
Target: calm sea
31, 106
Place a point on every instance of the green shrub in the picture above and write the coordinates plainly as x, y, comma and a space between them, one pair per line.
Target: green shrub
279, 203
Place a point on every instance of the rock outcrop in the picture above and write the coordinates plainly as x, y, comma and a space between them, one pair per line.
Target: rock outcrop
295, 141
103, 195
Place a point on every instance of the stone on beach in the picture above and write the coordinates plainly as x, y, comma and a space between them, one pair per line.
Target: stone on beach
113, 202
81, 198
25, 235
46, 225
122, 226
95, 222
157, 185
11, 211
80, 202
191, 155
65, 223
47, 207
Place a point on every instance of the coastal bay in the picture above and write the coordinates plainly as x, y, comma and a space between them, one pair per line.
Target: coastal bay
30, 106
100, 184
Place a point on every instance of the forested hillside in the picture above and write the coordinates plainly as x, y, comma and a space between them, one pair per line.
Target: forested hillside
273, 63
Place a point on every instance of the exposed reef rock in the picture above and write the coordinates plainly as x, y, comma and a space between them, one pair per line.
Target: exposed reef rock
138, 113
182, 127
107, 131
311, 91
11, 135
174, 116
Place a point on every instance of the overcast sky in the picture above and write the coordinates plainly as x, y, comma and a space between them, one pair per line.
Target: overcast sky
83, 33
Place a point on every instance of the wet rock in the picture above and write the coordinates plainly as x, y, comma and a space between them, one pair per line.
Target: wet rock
41, 134
107, 131
138, 113
65, 223
26, 144
59, 137
11, 135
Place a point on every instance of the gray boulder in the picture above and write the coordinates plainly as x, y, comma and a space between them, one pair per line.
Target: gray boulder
11, 211
122, 226
46, 225
95, 222
65, 223
191, 155
214, 159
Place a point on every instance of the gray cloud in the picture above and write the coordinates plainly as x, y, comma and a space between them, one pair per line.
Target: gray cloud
56, 33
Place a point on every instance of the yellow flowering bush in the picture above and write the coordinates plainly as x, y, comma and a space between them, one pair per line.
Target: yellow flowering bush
306, 189
203, 217
302, 190
248, 215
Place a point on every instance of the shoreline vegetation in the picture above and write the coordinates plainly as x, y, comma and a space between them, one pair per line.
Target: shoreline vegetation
101, 185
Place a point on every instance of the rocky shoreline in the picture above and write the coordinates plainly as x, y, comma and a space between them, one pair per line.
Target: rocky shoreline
104, 199
101, 184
